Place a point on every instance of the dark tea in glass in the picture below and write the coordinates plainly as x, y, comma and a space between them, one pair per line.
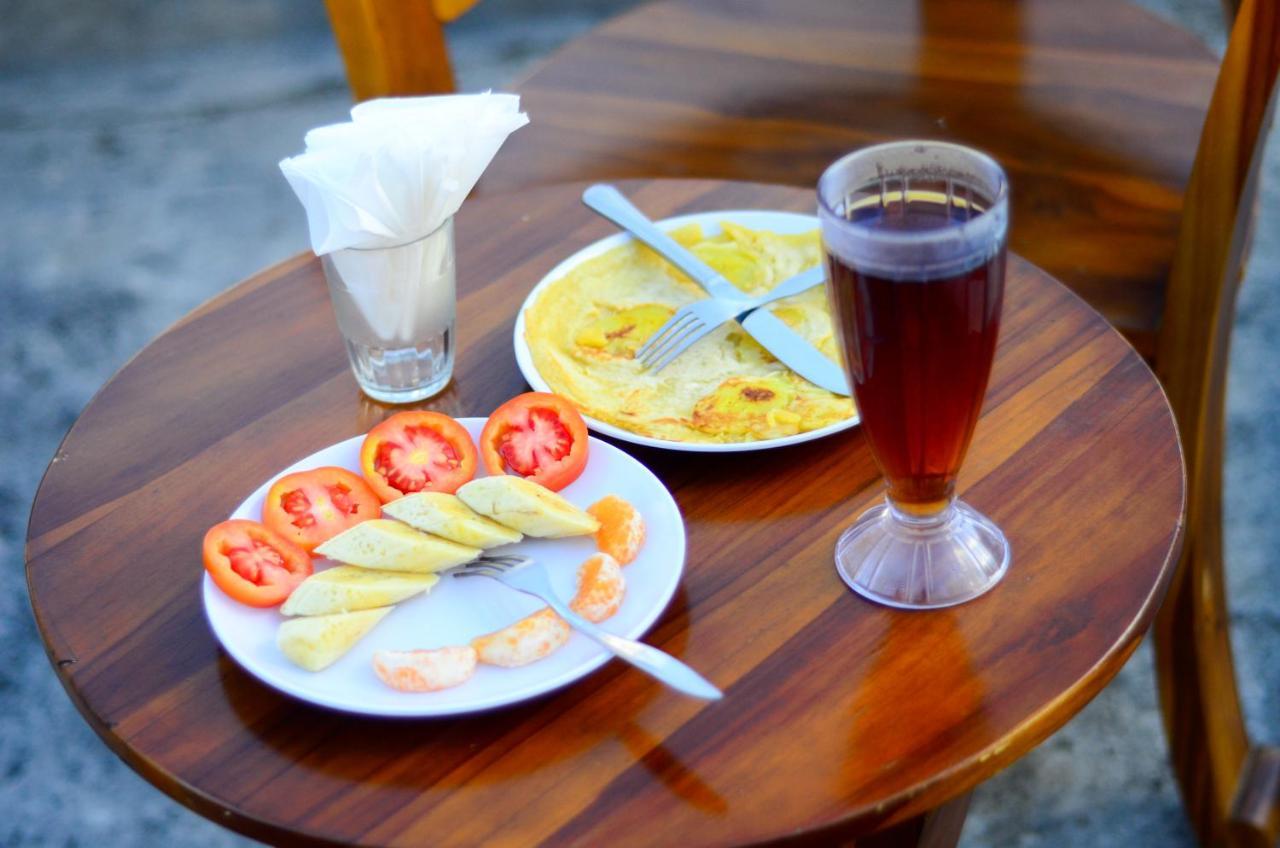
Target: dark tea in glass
915, 241
919, 353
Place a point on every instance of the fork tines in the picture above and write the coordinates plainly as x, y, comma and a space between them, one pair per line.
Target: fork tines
491, 565
502, 560
668, 339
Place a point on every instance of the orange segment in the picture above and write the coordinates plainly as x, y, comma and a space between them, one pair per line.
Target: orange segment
425, 671
528, 640
600, 588
621, 533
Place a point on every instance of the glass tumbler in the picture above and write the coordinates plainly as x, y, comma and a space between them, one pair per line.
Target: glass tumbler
395, 308
914, 234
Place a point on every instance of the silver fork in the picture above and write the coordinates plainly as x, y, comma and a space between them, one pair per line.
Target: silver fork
525, 575
694, 320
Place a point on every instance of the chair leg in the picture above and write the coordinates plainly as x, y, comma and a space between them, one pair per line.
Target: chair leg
391, 47
1196, 677
1255, 813
937, 828
1230, 8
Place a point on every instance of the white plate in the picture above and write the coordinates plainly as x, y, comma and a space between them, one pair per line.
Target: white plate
778, 222
455, 611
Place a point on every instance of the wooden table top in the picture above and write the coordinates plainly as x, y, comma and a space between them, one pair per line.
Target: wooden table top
840, 716
1094, 108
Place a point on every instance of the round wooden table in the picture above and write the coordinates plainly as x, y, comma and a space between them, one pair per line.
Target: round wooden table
840, 717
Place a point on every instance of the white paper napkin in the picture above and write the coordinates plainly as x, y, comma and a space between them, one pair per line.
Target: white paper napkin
399, 169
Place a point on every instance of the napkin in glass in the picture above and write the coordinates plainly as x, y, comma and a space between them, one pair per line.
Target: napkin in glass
391, 177
399, 168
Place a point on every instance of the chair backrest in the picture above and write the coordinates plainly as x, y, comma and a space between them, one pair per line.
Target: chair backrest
395, 47
1231, 789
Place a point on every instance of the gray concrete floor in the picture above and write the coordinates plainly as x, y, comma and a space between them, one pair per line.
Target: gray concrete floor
138, 150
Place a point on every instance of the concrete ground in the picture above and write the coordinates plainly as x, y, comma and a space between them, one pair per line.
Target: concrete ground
138, 150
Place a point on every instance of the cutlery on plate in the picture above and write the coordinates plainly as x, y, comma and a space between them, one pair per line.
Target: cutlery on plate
525, 575
694, 320
790, 348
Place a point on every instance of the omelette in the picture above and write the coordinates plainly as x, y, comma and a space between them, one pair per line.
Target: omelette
583, 330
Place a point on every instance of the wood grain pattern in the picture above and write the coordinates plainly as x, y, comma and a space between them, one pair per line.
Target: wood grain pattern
841, 717
394, 47
1092, 106
1203, 719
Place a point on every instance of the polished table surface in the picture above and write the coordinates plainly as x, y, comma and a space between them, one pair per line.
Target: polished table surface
1094, 108
840, 716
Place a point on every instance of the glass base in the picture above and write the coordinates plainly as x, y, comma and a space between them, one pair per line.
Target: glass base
900, 561
403, 375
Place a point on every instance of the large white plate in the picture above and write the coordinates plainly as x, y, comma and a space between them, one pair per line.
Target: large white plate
455, 611
778, 222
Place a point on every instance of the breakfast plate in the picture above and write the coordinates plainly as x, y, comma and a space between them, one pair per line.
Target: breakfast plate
456, 611
778, 222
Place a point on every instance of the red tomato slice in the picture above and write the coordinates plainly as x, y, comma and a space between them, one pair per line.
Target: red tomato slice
417, 452
253, 564
537, 435
311, 507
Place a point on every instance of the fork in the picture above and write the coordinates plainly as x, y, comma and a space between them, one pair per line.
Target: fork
526, 575
695, 320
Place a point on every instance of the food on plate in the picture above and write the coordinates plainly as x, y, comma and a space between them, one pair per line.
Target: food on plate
315, 642
621, 333
252, 563
584, 328
525, 506
425, 671
740, 404
600, 588
536, 435
391, 546
350, 587
310, 507
417, 452
448, 517
528, 640
621, 533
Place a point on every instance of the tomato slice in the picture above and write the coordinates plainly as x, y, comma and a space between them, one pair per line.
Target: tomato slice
537, 435
252, 563
311, 507
417, 452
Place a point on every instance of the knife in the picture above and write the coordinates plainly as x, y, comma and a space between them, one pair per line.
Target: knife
788, 346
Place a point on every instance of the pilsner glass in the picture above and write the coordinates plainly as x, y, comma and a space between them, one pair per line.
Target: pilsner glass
914, 234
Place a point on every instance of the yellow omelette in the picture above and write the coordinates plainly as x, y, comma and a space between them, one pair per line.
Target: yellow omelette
583, 330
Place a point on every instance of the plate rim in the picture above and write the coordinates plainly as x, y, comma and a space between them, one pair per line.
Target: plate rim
414, 708
524, 356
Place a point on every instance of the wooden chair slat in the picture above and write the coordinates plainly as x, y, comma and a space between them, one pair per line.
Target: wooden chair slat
1201, 705
394, 47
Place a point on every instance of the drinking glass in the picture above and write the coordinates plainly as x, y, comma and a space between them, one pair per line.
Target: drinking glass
395, 308
914, 234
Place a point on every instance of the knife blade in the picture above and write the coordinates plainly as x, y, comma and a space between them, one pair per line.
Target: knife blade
788, 346
795, 351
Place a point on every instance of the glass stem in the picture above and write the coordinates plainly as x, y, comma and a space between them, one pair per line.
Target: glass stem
914, 516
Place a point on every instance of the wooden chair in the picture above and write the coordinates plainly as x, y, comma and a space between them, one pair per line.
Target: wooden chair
1231, 788
395, 47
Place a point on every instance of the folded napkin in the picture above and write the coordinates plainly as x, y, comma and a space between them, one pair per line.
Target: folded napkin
399, 169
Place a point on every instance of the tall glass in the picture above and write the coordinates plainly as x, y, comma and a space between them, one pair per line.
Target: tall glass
395, 308
914, 233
